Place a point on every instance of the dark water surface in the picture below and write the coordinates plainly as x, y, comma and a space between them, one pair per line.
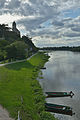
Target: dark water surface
62, 73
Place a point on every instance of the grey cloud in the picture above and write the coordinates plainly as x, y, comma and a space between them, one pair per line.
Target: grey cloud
13, 4
26, 10
47, 32
32, 23
43, 7
72, 34
67, 19
9, 6
77, 29
2, 2
70, 25
73, 24
58, 23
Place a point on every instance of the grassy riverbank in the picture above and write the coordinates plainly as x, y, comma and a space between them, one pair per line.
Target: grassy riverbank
20, 91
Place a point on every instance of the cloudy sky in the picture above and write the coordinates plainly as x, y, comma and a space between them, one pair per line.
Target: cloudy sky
48, 22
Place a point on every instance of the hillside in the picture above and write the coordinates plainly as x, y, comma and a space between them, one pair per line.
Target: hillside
12, 45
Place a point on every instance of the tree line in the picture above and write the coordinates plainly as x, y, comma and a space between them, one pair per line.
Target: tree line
63, 48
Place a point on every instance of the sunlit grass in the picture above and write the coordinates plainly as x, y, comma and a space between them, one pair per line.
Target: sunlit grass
20, 91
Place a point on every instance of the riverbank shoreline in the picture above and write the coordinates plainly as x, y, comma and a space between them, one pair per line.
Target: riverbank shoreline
20, 81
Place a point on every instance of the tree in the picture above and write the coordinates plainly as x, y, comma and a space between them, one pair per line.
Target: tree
3, 44
1, 56
16, 50
11, 52
29, 42
3, 29
21, 48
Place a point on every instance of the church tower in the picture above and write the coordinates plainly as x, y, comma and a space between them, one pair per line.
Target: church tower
14, 28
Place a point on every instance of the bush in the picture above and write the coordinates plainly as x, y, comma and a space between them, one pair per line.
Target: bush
47, 116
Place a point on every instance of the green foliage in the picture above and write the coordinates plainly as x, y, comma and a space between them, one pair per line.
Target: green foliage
16, 50
47, 116
76, 49
20, 49
12, 36
3, 44
3, 29
2, 55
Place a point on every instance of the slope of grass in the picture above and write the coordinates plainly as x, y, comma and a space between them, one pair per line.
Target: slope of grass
20, 91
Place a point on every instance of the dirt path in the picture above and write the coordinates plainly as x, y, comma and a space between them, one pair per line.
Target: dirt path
17, 61
13, 62
4, 115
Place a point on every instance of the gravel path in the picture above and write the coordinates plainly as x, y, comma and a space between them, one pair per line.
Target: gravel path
13, 62
17, 61
4, 115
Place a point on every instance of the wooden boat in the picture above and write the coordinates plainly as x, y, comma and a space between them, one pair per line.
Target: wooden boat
59, 94
43, 68
59, 109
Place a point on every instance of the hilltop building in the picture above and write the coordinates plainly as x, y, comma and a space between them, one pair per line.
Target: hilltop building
14, 28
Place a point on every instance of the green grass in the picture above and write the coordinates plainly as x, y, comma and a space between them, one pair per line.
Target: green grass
18, 81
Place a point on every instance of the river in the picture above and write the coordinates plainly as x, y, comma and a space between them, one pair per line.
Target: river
62, 73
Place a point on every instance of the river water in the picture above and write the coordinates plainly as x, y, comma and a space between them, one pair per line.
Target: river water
62, 73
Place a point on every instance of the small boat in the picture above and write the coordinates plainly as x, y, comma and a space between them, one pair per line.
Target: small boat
43, 68
59, 109
59, 94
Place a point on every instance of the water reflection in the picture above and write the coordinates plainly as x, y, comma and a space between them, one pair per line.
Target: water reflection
63, 74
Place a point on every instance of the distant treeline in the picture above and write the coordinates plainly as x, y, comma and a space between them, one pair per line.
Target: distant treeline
66, 48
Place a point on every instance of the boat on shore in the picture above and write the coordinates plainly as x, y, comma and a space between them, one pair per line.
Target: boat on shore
59, 109
59, 94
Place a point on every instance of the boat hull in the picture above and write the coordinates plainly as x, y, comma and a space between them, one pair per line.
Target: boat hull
59, 94
58, 109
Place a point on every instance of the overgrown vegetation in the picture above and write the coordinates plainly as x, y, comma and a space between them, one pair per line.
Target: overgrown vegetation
20, 91
12, 46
